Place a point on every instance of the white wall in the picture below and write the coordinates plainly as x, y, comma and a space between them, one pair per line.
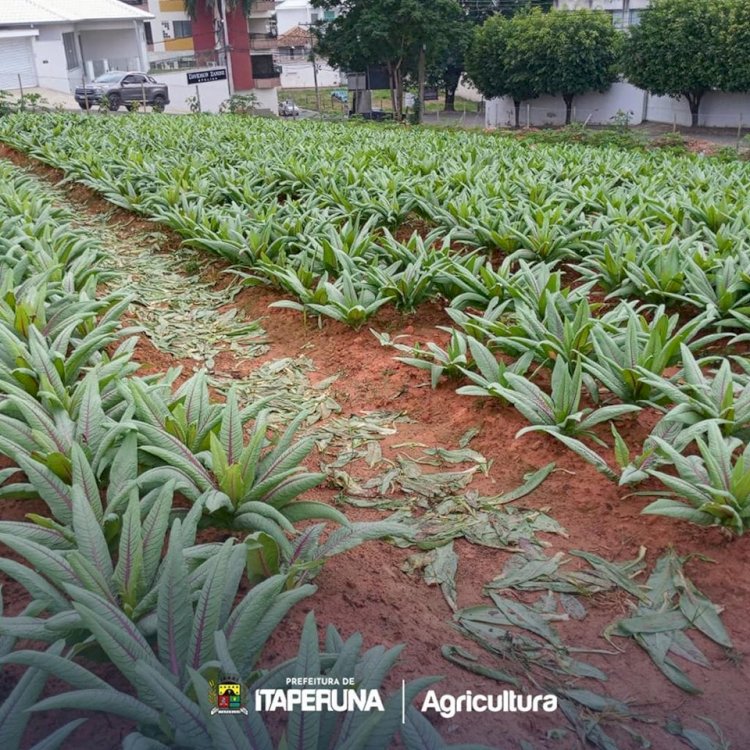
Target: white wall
268, 99
110, 43
212, 94
718, 110
467, 91
288, 18
51, 64
300, 75
550, 110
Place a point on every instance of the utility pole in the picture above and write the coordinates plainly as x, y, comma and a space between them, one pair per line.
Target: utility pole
315, 79
314, 62
222, 35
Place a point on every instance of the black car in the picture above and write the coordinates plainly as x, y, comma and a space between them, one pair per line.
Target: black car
128, 88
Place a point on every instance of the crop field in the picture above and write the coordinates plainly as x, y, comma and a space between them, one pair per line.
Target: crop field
487, 399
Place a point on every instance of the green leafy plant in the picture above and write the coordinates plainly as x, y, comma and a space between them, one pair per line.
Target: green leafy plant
473, 281
189, 414
348, 301
698, 397
409, 286
194, 630
241, 484
492, 372
714, 486
559, 411
623, 357
562, 330
194, 104
451, 361
170, 715
240, 104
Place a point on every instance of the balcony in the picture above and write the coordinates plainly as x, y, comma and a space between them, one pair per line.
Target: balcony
266, 74
267, 83
262, 42
183, 44
262, 7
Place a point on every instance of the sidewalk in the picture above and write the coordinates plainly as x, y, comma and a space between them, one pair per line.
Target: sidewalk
52, 99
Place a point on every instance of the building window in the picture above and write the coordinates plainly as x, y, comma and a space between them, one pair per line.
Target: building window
329, 15
71, 53
182, 29
635, 17
149, 33
263, 67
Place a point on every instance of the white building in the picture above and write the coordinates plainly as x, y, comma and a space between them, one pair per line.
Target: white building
294, 19
295, 46
177, 44
170, 31
624, 12
718, 109
56, 44
291, 13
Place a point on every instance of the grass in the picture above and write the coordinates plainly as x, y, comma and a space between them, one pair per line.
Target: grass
381, 99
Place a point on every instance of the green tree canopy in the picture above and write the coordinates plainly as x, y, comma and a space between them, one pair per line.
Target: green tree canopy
582, 53
503, 59
449, 67
678, 50
735, 47
387, 32
563, 53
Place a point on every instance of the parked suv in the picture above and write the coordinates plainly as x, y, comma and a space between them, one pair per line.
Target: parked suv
120, 88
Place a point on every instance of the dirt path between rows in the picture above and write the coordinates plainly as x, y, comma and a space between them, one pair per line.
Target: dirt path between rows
366, 590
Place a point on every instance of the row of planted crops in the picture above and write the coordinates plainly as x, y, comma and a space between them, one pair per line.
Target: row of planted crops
132, 479
583, 285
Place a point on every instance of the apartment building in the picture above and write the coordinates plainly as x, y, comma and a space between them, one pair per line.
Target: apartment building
244, 45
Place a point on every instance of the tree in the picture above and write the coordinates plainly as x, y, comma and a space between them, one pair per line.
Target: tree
503, 59
448, 70
735, 47
564, 53
579, 53
678, 47
396, 33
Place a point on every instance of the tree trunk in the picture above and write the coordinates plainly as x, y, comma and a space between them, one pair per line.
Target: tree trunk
694, 101
452, 78
421, 76
450, 100
517, 106
392, 81
568, 107
399, 98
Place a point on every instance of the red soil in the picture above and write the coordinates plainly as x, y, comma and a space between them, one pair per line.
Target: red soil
364, 590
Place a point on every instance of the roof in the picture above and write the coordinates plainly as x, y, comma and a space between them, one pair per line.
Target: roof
26, 12
295, 37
